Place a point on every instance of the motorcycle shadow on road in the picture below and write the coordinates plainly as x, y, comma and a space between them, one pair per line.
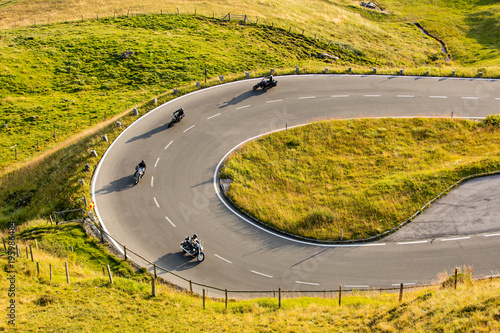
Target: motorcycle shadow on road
238, 99
117, 185
149, 134
177, 261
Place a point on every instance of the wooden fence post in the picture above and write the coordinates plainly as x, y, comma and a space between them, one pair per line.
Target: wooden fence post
153, 288
37, 269
31, 253
400, 293
36, 244
203, 298
279, 297
340, 295
154, 267
4, 246
27, 253
50, 272
110, 276
455, 282
225, 291
190, 286
67, 271
17, 250
125, 251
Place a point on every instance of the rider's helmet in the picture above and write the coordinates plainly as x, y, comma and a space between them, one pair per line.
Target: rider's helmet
195, 236
143, 162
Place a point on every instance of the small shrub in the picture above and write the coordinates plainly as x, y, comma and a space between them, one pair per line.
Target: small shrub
493, 120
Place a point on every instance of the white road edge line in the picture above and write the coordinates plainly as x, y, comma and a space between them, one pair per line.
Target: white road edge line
215, 115
258, 273
222, 258
168, 145
492, 235
452, 239
187, 129
152, 178
404, 284
438, 97
172, 223
157, 160
308, 283
242, 107
339, 96
307, 97
414, 242
275, 101
156, 202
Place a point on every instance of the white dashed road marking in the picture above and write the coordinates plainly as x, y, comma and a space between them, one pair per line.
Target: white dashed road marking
157, 160
492, 235
152, 178
275, 101
222, 258
156, 202
187, 129
372, 95
168, 144
453, 239
414, 242
215, 115
356, 286
442, 97
308, 283
242, 107
467, 97
339, 96
405, 96
307, 97
262, 274
172, 223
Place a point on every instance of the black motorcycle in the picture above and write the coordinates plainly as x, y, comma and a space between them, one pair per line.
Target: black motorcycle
176, 117
139, 173
265, 84
193, 248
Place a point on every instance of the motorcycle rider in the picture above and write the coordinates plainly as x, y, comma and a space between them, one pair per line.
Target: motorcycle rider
270, 81
195, 242
179, 114
142, 165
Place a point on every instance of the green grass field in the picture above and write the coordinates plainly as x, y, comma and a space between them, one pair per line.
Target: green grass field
361, 177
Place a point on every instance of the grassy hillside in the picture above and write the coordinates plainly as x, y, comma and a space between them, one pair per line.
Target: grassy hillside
90, 303
60, 79
363, 177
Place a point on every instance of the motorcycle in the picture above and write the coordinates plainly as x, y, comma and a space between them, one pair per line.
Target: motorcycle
139, 173
177, 116
265, 84
193, 248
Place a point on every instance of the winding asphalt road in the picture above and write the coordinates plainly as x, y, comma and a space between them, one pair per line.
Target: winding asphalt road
178, 196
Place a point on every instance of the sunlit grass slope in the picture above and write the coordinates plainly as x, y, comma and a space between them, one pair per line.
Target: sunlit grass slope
90, 303
360, 177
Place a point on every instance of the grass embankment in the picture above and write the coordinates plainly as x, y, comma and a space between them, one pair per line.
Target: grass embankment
359, 176
90, 303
